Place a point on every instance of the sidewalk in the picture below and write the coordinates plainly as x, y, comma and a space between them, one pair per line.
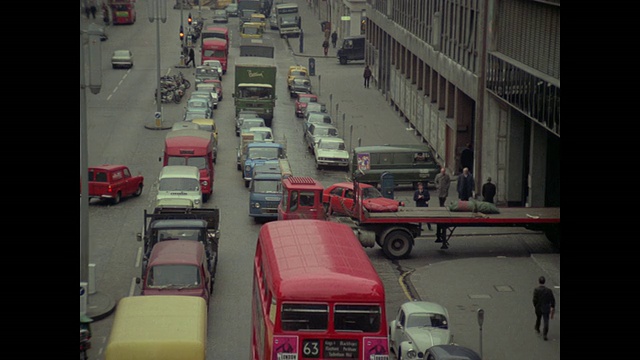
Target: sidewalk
501, 286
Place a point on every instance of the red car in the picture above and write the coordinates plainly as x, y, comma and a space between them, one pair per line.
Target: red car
338, 199
301, 102
113, 182
218, 84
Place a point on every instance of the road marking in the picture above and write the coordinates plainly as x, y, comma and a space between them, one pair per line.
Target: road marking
132, 288
139, 257
403, 286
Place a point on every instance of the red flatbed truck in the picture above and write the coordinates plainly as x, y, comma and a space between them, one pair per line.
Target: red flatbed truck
395, 232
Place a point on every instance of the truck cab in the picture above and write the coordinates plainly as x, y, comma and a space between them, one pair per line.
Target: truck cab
181, 222
301, 199
259, 152
180, 181
265, 190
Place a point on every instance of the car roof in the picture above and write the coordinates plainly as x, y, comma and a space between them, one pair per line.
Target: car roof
107, 167
348, 185
424, 306
332, 139
176, 252
453, 352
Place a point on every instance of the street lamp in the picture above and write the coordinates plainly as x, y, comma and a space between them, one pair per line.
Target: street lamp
158, 11
95, 83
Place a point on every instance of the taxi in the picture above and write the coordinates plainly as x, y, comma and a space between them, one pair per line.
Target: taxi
259, 18
296, 71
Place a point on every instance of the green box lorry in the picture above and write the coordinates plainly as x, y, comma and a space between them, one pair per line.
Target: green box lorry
255, 86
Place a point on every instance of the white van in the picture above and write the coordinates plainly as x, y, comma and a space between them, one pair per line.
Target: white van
181, 182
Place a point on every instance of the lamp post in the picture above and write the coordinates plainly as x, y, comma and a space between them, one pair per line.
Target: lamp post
182, 55
95, 83
158, 12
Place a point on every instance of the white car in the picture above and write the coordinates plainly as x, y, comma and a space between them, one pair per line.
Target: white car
122, 59
316, 131
418, 326
331, 151
216, 64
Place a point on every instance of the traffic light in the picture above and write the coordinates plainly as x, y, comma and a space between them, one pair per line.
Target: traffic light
189, 19
181, 33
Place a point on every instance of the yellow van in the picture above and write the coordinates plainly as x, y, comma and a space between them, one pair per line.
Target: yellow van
159, 327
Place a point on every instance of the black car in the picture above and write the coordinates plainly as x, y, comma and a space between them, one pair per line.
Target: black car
300, 86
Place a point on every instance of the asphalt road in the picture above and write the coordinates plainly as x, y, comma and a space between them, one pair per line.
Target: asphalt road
463, 278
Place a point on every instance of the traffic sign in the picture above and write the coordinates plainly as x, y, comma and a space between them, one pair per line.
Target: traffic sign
157, 115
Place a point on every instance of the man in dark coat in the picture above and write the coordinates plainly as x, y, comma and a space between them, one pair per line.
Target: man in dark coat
421, 196
488, 191
466, 185
544, 302
466, 157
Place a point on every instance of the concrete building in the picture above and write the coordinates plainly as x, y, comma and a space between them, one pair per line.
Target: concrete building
485, 72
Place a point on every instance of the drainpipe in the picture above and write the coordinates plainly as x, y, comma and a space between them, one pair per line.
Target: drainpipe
481, 98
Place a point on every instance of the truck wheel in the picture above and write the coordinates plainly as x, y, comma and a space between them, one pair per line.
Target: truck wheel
138, 191
205, 197
397, 245
246, 183
343, 60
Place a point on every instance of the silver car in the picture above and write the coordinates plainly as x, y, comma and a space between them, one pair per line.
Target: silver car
316, 131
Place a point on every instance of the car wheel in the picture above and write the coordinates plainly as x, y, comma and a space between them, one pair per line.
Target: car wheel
117, 198
138, 191
343, 60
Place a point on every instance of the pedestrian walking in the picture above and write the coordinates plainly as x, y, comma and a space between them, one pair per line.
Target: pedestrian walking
488, 191
325, 46
421, 197
367, 76
443, 182
191, 59
466, 157
93, 9
334, 38
105, 13
466, 184
544, 303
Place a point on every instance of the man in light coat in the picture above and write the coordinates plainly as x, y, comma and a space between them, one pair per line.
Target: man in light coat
443, 181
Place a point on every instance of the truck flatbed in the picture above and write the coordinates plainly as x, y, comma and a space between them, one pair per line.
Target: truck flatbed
508, 216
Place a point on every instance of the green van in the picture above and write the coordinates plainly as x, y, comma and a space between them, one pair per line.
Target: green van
409, 164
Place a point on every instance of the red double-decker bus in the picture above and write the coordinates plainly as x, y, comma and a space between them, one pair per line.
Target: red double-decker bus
315, 295
123, 11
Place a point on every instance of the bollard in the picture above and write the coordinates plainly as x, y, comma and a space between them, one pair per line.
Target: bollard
312, 66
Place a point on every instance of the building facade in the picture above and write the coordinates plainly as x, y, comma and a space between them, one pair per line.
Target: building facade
479, 72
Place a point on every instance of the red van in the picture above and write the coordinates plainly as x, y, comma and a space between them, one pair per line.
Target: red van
215, 49
113, 182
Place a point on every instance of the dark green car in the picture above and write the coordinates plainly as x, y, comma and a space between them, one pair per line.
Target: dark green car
409, 164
